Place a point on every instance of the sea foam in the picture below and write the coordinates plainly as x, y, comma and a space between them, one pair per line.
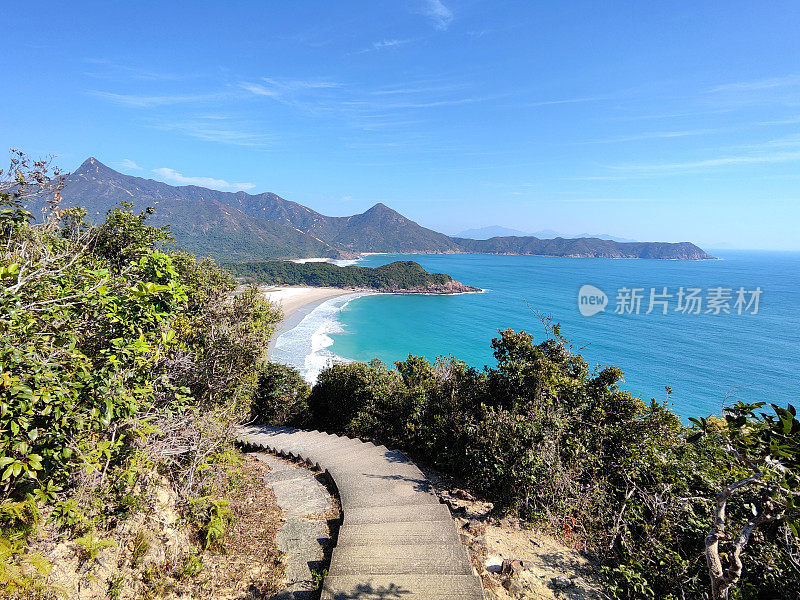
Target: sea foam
305, 346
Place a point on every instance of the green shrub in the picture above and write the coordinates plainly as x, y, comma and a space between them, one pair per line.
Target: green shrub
280, 396
118, 358
352, 398
544, 435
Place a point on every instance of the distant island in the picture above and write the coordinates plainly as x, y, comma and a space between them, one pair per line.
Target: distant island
490, 231
404, 277
244, 227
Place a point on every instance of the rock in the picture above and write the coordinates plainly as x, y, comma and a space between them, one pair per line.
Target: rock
476, 527
513, 587
493, 563
509, 522
480, 541
561, 583
512, 567
463, 495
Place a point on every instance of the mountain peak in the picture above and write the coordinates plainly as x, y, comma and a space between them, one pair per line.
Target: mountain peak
91, 161
95, 167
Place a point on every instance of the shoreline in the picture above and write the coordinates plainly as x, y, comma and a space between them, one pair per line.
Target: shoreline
297, 303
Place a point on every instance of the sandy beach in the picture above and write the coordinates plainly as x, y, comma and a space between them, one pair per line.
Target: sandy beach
297, 302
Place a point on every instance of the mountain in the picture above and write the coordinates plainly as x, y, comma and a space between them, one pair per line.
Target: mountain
200, 219
485, 233
241, 226
601, 236
405, 276
583, 248
381, 229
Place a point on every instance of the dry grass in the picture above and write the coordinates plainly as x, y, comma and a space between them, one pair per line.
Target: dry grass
246, 564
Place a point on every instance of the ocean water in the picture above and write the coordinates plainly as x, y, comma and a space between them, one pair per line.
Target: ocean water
707, 359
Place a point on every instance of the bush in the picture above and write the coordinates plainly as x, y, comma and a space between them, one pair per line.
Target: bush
117, 357
543, 435
280, 397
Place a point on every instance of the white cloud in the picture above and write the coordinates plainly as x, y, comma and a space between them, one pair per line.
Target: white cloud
438, 13
724, 161
127, 163
290, 91
388, 44
217, 128
259, 90
758, 84
173, 177
658, 135
151, 101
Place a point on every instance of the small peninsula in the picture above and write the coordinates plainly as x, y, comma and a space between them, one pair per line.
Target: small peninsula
400, 277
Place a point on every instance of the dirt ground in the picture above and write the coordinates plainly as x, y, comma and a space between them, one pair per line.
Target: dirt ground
513, 561
156, 553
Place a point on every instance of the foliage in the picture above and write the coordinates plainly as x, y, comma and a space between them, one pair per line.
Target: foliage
399, 275
767, 447
281, 396
213, 515
118, 357
542, 434
21, 572
90, 545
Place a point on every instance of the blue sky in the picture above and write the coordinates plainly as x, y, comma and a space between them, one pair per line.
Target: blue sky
648, 120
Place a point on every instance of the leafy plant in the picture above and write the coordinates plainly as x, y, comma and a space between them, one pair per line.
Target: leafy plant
318, 578
115, 587
213, 514
192, 566
141, 546
90, 545
766, 446
21, 572
66, 514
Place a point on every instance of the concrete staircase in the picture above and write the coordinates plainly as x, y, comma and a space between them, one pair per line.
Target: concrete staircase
396, 540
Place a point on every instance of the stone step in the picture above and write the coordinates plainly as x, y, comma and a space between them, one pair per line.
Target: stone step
414, 532
284, 444
315, 454
372, 458
299, 448
272, 440
349, 455
383, 559
405, 587
377, 468
397, 514
396, 539
356, 446
362, 491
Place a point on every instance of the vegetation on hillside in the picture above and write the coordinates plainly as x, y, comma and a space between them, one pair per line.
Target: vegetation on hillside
583, 247
123, 369
240, 226
124, 366
543, 435
396, 276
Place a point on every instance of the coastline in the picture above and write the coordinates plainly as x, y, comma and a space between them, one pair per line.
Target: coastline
297, 303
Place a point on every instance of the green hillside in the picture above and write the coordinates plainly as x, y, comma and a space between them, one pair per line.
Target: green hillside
240, 226
400, 275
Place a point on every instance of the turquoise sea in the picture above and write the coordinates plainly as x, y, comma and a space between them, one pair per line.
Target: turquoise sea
706, 358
